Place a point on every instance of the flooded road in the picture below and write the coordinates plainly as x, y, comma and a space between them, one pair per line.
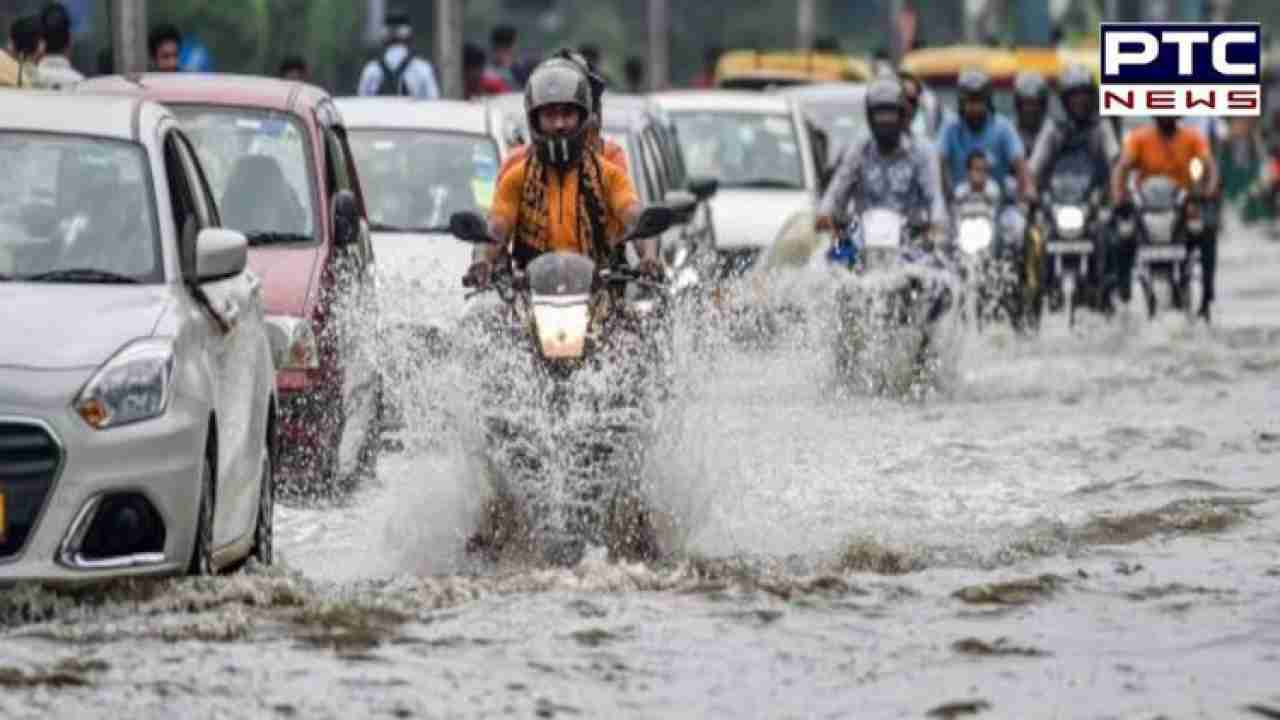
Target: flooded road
1079, 526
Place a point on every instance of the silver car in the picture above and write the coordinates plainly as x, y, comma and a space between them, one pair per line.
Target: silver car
420, 162
137, 401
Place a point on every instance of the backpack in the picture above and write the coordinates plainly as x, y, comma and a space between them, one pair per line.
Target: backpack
393, 80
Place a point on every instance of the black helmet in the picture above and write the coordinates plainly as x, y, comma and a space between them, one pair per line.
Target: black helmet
974, 83
557, 82
885, 93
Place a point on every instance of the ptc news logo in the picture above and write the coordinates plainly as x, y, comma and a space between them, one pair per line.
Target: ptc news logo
1181, 69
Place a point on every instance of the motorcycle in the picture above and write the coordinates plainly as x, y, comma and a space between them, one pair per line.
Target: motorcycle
1164, 216
564, 434
991, 280
900, 294
1071, 218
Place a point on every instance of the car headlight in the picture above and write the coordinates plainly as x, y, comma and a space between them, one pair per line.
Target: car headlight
293, 343
1069, 218
132, 386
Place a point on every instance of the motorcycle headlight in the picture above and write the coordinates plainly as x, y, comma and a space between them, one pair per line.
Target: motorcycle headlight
685, 278
1068, 218
562, 329
132, 386
677, 254
293, 343
974, 235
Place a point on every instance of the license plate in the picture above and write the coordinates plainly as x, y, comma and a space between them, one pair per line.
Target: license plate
1171, 253
1070, 247
4, 523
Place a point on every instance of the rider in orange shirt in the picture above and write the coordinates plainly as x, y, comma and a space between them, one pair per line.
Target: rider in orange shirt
1167, 149
562, 196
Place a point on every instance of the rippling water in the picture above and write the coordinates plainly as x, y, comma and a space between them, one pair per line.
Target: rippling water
1082, 525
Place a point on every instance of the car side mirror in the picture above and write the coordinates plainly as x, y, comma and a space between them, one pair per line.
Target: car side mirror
469, 227
220, 254
346, 219
703, 187
654, 220
682, 203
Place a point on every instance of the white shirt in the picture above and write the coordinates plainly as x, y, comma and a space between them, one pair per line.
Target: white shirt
418, 77
56, 73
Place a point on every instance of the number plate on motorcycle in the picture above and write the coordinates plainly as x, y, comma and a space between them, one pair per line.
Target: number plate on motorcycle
1070, 247
1168, 253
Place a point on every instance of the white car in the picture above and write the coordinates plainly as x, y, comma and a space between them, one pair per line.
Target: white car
761, 149
420, 162
137, 398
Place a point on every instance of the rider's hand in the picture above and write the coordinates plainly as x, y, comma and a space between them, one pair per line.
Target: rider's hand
477, 276
650, 267
823, 223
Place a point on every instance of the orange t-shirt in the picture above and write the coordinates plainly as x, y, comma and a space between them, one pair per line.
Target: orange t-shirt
562, 202
613, 152
1153, 154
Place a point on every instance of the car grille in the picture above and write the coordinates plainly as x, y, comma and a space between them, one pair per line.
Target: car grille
29, 462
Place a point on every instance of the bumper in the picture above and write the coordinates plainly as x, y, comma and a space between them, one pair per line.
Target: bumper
160, 459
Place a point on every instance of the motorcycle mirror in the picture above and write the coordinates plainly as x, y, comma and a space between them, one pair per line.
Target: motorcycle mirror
469, 227
654, 220
1196, 169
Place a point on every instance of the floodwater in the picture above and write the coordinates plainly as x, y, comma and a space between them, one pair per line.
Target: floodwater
1083, 525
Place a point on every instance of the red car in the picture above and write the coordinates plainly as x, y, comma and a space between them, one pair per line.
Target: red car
277, 160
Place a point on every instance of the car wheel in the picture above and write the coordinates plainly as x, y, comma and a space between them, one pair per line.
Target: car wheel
201, 562
264, 531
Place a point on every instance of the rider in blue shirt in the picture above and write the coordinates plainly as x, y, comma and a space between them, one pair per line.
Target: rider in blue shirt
978, 127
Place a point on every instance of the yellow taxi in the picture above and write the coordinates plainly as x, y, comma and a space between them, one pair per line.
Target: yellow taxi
756, 70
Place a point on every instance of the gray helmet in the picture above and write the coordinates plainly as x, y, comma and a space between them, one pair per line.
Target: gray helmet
593, 78
1075, 78
974, 82
557, 82
1030, 85
885, 92
1030, 100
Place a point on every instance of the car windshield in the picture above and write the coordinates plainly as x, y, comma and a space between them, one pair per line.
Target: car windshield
414, 180
256, 164
844, 122
741, 149
76, 209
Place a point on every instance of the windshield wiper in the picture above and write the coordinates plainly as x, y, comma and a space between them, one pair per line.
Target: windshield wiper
276, 238
764, 183
383, 227
86, 275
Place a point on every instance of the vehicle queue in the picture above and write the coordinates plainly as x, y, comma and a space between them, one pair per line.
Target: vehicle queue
181, 251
